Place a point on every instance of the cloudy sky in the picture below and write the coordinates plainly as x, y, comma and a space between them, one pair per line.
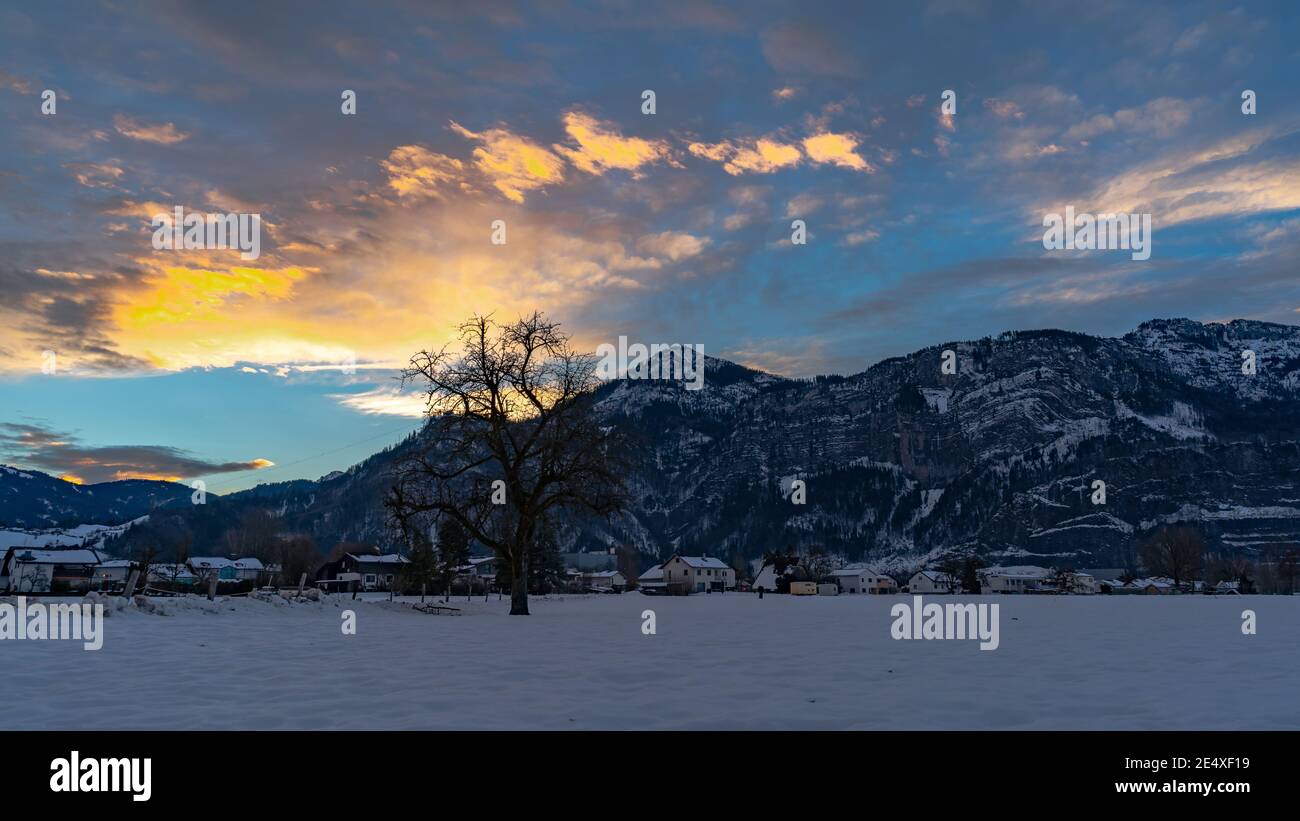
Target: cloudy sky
923, 226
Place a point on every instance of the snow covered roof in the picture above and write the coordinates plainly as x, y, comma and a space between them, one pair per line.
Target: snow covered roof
249, 564
209, 562
387, 558
169, 572
853, 571
1021, 571
605, 574
55, 556
701, 561
117, 563
932, 575
654, 574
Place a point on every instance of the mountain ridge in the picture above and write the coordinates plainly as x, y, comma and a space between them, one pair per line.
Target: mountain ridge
904, 462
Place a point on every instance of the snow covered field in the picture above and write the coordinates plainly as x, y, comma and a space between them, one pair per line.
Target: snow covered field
722, 661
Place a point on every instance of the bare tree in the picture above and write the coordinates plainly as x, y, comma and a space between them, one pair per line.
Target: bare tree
512, 435
1176, 552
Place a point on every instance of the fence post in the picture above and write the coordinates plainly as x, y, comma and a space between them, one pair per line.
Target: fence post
131, 582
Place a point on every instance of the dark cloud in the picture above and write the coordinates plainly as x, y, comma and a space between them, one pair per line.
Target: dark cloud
62, 454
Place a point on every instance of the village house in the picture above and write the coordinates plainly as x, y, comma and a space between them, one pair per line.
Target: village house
698, 574
652, 581
605, 580
478, 567
114, 573
171, 574
44, 571
933, 581
1016, 579
227, 570
369, 572
765, 579
863, 580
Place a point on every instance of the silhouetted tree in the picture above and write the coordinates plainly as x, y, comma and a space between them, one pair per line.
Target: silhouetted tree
512, 435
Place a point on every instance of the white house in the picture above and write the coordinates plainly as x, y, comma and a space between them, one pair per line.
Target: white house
40, 571
933, 581
171, 574
483, 567
863, 580
114, 571
766, 578
1016, 579
698, 574
228, 570
652, 579
605, 579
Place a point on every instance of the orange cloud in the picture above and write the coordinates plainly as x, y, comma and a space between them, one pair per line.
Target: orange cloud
836, 149
760, 156
513, 163
414, 170
601, 147
164, 134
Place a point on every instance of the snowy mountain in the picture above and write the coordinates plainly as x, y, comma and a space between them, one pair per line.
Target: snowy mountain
903, 461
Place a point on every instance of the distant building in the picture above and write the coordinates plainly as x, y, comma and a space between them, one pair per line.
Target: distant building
1018, 579
828, 589
933, 581
113, 572
369, 572
171, 574
798, 588
698, 574
44, 571
605, 580
480, 567
766, 578
863, 580
652, 579
226, 570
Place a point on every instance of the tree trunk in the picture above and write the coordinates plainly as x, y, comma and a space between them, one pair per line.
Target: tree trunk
519, 582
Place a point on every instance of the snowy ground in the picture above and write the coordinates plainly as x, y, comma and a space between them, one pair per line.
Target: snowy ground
732, 661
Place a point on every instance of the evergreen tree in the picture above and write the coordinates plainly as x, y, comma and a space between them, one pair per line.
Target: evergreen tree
453, 552
423, 567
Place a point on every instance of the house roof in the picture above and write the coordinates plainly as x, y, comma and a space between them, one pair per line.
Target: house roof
169, 571
117, 563
387, 558
55, 556
653, 574
853, 571
1021, 571
209, 562
701, 561
605, 574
